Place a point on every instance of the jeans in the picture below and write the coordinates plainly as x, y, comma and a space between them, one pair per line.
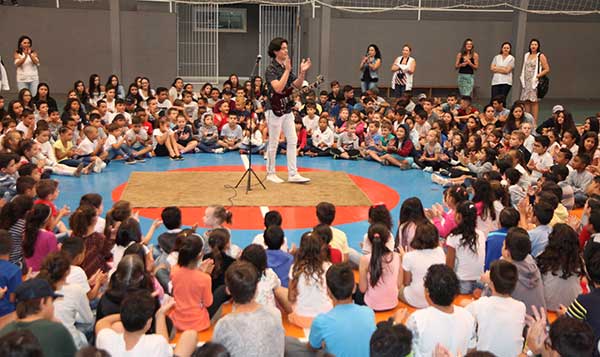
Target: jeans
32, 86
124, 151
364, 86
467, 286
208, 147
276, 125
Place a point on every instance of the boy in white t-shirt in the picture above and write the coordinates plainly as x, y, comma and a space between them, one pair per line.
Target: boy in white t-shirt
74, 249
189, 106
91, 148
27, 124
137, 137
500, 319
441, 323
117, 147
136, 317
120, 109
541, 161
311, 119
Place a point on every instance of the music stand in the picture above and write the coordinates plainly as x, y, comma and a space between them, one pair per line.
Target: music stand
249, 171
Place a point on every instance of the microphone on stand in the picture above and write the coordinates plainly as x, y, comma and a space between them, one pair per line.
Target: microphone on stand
258, 58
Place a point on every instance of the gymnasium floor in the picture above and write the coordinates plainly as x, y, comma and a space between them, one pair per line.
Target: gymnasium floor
391, 187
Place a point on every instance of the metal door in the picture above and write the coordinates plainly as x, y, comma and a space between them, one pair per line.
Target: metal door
198, 42
279, 21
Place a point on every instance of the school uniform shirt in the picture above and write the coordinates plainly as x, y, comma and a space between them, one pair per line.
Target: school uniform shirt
86, 146
417, 262
468, 264
77, 277
311, 124
345, 142
430, 326
164, 105
323, 137
579, 180
130, 136
110, 141
544, 161
147, 346
24, 129
228, 133
191, 110
73, 307
539, 239
156, 133
500, 321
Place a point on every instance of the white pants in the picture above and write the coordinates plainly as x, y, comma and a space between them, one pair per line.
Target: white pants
275, 125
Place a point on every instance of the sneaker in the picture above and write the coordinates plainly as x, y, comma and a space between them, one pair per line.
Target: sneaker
196, 150
298, 179
129, 161
219, 151
335, 156
179, 158
139, 159
444, 172
174, 158
428, 169
98, 165
415, 166
274, 178
439, 180
78, 170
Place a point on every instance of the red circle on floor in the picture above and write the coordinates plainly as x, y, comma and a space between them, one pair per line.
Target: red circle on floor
293, 217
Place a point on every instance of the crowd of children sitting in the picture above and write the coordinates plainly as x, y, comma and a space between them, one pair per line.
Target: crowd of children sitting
507, 234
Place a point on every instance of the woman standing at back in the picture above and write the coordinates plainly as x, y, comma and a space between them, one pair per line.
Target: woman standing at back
467, 61
368, 67
502, 67
535, 66
27, 61
404, 69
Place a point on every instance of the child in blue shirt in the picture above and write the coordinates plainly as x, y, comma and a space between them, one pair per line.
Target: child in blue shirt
509, 217
10, 276
277, 259
347, 328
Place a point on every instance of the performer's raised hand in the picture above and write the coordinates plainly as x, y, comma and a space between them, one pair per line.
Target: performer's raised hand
305, 65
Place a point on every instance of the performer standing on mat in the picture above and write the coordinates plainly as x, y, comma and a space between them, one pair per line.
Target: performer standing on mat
280, 79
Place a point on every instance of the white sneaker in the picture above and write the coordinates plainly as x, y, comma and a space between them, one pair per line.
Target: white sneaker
98, 165
298, 179
219, 151
274, 178
428, 169
439, 180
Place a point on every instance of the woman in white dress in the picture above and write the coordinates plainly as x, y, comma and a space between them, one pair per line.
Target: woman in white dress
535, 66
27, 61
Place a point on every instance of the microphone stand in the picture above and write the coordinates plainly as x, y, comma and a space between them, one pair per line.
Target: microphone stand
249, 171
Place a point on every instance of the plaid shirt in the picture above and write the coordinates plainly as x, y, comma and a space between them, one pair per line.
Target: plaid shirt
274, 72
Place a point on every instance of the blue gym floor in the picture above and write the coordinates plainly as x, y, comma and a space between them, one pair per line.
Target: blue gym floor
406, 183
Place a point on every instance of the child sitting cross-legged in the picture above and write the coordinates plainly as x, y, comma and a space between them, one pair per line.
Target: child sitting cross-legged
131, 337
252, 142
163, 141
322, 139
466, 247
307, 290
137, 137
91, 148
117, 148
208, 136
387, 142
500, 318
183, 135
442, 322
401, 154
347, 146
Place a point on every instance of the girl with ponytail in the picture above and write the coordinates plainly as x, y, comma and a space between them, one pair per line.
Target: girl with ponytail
218, 240
37, 241
466, 247
379, 272
216, 216
444, 220
74, 306
97, 248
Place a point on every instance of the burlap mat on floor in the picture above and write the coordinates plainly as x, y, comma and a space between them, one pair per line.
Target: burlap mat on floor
199, 189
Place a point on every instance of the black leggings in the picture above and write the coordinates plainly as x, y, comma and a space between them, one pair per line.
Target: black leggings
501, 89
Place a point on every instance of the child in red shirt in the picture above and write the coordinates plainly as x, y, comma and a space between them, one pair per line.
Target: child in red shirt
47, 191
